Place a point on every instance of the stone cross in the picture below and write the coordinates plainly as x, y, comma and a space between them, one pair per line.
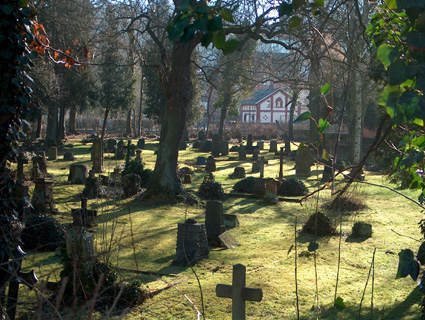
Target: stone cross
238, 292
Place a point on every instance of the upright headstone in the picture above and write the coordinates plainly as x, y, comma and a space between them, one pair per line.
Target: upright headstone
214, 221
270, 196
215, 147
238, 173
39, 167
120, 154
68, 156
192, 243
242, 153
78, 173
84, 217
249, 141
202, 135
200, 161
260, 145
238, 292
97, 155
303, 161
255, 154
210, 166
255, 167
53, 153
139, 155
259, 187
42, 197
111, 145
206, 146
224, 147
187, 179
327, 171
141, 143
273, 146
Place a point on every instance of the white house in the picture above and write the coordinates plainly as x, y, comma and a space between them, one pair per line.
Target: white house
270, 105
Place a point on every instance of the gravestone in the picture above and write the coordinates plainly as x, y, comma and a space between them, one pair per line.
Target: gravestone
200, 161
255, 154
224, 147
22, 199
362, 230
97, 155
249, 142
230, 220
238, 292
227, 240
214, 221
141, 143
120, 144
215, 147
303, 161
260, 145
39, 167
53, 153
270, 195
187, 179
262, 162
192, 243
130, 148
238, 173
259, 187
84, 217
210, 166
111, 145
78, 173
255, 167
120, 154
80, 247
139, 155
206, 146
202, 136
22, 159
242, 153
42, 197
281, 164
327, 171
273, 146
234, 149
68, 156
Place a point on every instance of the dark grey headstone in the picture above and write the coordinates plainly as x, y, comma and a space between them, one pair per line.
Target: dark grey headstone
78, 173
260, 145
201, 161
214, 221
53, 153
141, 143
227, 240
255, 154
273, 146
303, 161
242, 153
249, 141
224, 148
210, 166
215, 147
68, 156
230, 220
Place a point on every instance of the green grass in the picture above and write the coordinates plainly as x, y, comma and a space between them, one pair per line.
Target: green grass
147, 234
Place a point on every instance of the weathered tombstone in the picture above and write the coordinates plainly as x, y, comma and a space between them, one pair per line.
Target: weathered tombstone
202, 136
214, 221
42, 197
224, 147
303, 161
230, 220
255, 154
362, 230
130, 148
215, 147
255, 167
139, 155
260, 145
242, 153
22, 159
68, 156
327, 171
78, 173
84, 217
120, 144
80, 247
187, 179
249, 142
259, 187
200, 161
120, 154
111, 145
269, 135
262, 161
53, 153
238, 173
206, 146
192, 243
227, 240
97, 155
210, 166
273, 146
238, 292
141, 143
270, 196
39, 167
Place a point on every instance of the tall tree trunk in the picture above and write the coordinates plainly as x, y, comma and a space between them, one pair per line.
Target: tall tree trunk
52, 125
139, 121
178, 93
73, 120
128, 123
223, 115
291, 115
61, 125
39, 123
105, 118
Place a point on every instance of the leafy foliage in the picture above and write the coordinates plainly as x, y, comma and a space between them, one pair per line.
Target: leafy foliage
246, 185
292, 187
211, 190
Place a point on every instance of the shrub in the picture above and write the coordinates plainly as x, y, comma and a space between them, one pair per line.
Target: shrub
133, 294
133, 166
146, 177
319, 224
292, 187
211, 190
246, 185
43, 233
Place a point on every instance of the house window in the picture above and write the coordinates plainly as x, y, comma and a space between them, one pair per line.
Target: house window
268, 103
279, 103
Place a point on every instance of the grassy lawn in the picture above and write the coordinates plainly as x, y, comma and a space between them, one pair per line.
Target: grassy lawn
145, 239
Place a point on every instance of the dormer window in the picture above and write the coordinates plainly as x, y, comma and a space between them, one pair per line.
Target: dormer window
279, 103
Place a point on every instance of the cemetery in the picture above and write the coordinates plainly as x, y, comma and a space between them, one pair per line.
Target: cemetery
255, 226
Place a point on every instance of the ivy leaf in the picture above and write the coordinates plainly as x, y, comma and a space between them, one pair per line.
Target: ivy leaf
392, 4
219, 40
313, 246
407, 265
416, 39
303, 116
386, 54
323, 125
231, 46
390, 96
339, 303
227, 15
294, 22
325, 89
325, 155
318, 4
397, 73
215, 24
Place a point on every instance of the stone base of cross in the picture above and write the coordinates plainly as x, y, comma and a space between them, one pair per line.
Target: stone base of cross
238, 292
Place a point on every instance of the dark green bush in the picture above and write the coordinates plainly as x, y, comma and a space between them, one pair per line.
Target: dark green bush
42, 233
146, 177
133, 166
292, 187
133, 294
211, 190
245, 186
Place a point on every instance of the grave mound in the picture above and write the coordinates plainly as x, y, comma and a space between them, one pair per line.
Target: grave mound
292, 187
245, 186
319, 224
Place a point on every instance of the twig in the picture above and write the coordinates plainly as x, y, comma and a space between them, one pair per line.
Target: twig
61, 292
402, 235
92, 303
339, 263
296, 268
148, 272
364, 291
122, 286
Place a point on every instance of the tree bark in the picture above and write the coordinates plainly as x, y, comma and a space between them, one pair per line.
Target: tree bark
52, 125
128, 123
178, 93
73, 120
39, 123
291, 115
105, 118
